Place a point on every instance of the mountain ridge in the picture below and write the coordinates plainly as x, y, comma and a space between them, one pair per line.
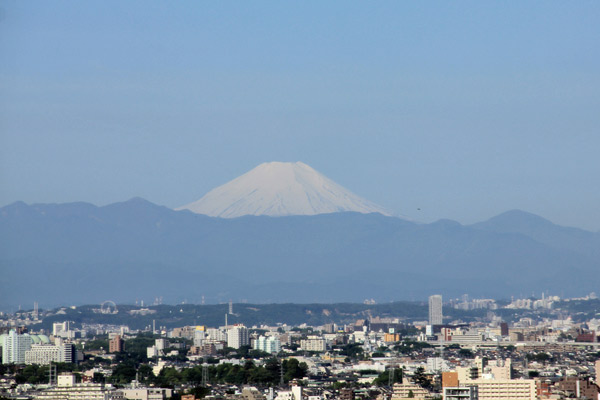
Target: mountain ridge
135, 248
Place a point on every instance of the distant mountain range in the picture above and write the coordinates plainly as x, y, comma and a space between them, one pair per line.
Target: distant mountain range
79, 253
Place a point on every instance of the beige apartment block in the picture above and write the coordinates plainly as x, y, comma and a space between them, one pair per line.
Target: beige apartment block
404, 391
504, 389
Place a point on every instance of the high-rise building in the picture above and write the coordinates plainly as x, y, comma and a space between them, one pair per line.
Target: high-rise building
161, 344
59, 327
116, 345
269, 344
504, 329
14, 347
216, 335
313, 343
199, 337
435, 310
44, 354
238, 336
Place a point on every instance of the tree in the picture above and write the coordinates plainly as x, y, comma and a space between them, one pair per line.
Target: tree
98, 377
272, 370
199, 391
384, 378
422, 380
533, 374
32, 374
146, 374
466, 353
168, 377
123, 373
353, 351
293, 369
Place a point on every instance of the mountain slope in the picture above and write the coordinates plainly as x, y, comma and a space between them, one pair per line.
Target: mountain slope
543, 231
280, 189
56, 254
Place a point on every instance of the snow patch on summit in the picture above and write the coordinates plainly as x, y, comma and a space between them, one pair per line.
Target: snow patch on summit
280, 189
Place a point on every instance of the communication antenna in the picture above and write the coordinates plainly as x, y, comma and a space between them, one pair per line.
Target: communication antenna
52, 374
442, 334
230, 307
391, 377
204, 373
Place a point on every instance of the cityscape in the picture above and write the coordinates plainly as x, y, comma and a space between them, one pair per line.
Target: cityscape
546, 348
299, 200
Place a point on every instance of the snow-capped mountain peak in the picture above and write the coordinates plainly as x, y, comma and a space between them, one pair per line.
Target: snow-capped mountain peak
280, 189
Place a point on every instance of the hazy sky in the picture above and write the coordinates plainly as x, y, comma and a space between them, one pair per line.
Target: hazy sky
462, 109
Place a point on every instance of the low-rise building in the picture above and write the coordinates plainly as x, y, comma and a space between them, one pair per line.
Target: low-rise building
460, 393
504, 389
146, 393
402, 391
68, 389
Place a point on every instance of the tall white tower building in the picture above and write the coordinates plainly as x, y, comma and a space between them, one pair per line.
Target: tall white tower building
238, 336
435, 309
14, 347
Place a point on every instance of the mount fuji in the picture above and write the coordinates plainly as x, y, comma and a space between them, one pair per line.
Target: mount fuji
281, 189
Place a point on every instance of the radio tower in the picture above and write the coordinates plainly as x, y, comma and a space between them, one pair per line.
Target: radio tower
204, 373
230, 307
52, 374
442, 339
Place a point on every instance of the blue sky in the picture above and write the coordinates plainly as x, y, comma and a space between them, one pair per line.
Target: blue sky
460, 109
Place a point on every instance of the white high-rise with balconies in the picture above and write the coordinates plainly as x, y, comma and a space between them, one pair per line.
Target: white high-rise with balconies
238, 336
435, 310
14, 347
269, 344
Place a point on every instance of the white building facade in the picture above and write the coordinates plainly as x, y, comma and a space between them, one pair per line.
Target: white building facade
14, 347
435, 310
237, 337
270, 344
